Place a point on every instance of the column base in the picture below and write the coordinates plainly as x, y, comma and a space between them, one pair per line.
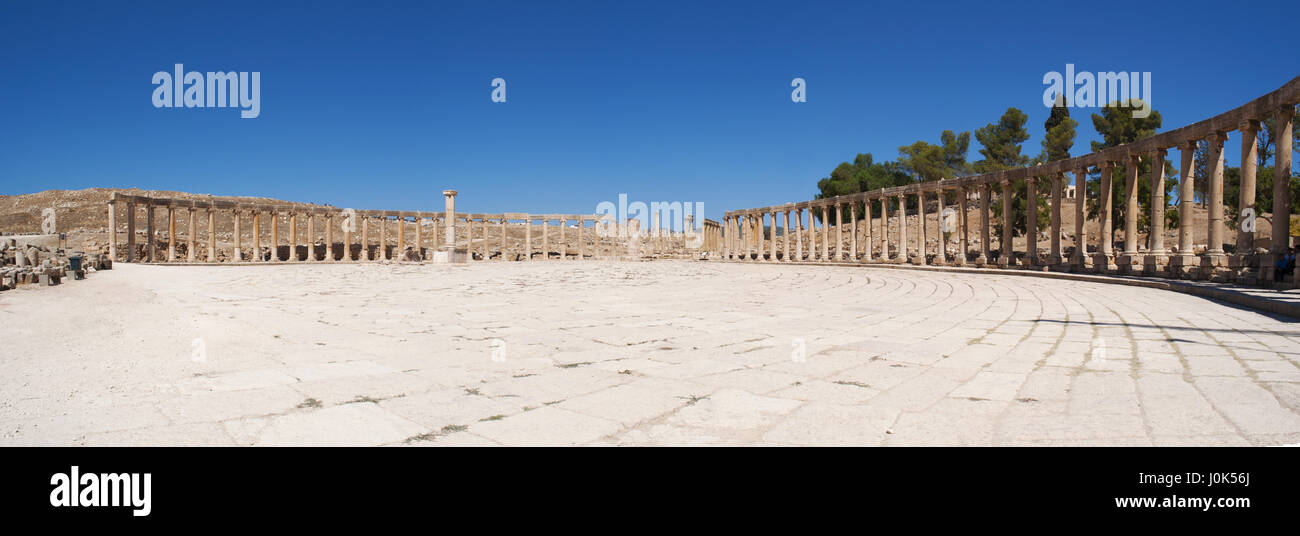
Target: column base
1104, 264
1155, 263
1129, 263
1214, 267
981, 261
1005, 261
918, 260
447, 255
1182, 266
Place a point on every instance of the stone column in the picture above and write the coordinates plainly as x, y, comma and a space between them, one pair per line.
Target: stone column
257, 234
293, 235
399, 250
148, 227
329, 236
212, 235
469, 238
1157, 256
1054, 254
564, 244
449, 201
171, 233
130, 231
963, 224
1282, 140
839, 231
785, 237
112, 227
868, 254
941, 255
546, 241
528, 237
582, 246
884, 230
984, 192
1215, 169
853, 231
365, 238
1008, 257
419, 234
1249, 168
902, 229
505, 227
275, 236
347, 238
311, 236
1129, 257
798, 234
1105, 260
239, 243
825, 234
1031, 221
1080, 217
382, 254
921, 248
771, 235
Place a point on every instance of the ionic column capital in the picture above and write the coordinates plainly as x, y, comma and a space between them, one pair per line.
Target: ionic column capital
1249, 125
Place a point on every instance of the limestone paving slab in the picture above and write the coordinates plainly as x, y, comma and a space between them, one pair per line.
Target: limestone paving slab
626, 353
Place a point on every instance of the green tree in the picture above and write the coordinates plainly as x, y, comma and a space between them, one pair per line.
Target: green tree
1001, 143
1117, 126
1059, 132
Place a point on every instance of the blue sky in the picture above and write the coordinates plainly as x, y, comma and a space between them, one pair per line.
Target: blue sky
383, 105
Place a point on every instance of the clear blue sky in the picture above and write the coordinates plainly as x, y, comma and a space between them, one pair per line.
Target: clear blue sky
383, 105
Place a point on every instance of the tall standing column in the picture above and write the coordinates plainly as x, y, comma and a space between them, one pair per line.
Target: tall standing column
364, 254
329, 236
528, 236
112, 227
239, 244
771, 235
1157, 256
1031, 221
884, 231
798, 234
293, 236
130, 231
726, 237
853, 231
902, 229
171, 233
311, 236
1080, 213
921, 246
1214, 250
191, 249
275, 235
582, 246
1282, 140
826, 234
1129, 258
449, 203
382, 255
1249, 168
1054, 254
867, 253
148, 227
941, 255
985, 255
839, 231
785, 237
1008, 257
1105, 260
212, 235
963, 221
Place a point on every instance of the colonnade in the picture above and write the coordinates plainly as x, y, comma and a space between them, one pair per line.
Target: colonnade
355, 235
871, 239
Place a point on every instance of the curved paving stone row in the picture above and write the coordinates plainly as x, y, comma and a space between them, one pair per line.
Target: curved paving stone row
662, 353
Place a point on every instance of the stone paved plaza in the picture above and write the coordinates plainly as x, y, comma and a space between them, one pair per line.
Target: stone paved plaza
620, 353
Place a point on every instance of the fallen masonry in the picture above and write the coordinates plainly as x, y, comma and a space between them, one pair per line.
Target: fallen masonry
24, 262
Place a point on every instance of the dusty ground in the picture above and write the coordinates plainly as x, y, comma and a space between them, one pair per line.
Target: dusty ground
658, 353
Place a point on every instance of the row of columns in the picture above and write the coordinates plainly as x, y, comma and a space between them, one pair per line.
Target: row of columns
745, 239
476, 243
